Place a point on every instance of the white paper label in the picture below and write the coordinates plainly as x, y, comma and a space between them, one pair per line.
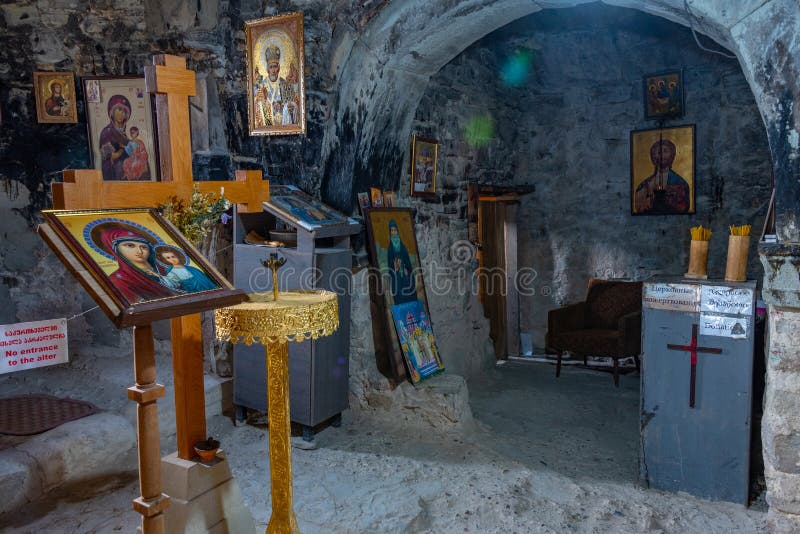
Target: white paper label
722, 299
723, 326
679, 297
33, 344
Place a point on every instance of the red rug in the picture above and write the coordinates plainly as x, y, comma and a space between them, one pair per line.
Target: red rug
34, 414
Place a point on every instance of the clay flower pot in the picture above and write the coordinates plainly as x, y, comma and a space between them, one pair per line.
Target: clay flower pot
206, 449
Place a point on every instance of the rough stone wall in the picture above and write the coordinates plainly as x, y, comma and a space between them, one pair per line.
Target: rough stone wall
84, 37
565, 131
780, 430
769, 44
118, 38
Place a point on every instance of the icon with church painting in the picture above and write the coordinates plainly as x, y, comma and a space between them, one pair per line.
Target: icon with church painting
663, 95
663, 171
134, 261
275, 75
122, 133
424, 153
55, 97
416, 339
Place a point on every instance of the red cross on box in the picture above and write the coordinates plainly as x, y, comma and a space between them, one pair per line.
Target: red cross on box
694, 350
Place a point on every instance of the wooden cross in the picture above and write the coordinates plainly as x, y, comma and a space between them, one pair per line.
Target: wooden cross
172, 84
693, 349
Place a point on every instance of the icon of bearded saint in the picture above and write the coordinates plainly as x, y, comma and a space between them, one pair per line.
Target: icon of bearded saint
401, 272
277, 101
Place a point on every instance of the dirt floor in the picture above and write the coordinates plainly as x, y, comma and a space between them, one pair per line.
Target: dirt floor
543, 455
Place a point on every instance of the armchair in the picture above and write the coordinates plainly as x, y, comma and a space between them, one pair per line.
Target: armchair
608, 323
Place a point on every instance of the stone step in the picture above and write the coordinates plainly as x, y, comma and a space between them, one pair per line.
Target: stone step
91, 448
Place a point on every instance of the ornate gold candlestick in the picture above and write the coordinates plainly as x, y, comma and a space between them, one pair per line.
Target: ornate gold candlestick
274, 263
298, 315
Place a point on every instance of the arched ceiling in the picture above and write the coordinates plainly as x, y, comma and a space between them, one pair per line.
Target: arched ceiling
389, 63
422, 37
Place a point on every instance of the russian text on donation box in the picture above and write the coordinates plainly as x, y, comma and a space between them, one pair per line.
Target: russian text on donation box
33, 344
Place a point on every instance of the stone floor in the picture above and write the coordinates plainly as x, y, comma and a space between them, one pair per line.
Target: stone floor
542, 455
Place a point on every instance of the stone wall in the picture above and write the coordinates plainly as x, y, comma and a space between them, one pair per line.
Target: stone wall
573, 113
83, 37
780, 430
563, 126
119, 38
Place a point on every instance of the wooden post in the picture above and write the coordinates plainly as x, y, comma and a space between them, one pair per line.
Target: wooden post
152, 503
172, 84
187, 367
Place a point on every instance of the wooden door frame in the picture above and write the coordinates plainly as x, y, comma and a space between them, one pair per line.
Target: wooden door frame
510, 202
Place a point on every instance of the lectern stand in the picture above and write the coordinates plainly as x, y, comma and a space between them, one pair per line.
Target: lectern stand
321, 259
131, 296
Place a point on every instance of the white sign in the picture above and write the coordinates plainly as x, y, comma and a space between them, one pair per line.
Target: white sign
723, 326
34, 344
679, 297
723, 299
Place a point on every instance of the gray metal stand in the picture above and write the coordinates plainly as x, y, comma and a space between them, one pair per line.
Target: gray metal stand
318, 369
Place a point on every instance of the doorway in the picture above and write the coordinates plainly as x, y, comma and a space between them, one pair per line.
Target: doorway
498, 265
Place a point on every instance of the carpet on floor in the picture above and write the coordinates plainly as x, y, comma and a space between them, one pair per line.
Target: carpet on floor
34, 414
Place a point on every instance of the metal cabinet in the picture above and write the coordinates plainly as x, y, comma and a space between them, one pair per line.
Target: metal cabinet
318, 369
697, 366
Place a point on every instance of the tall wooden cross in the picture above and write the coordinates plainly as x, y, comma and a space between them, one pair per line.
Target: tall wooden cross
173, 84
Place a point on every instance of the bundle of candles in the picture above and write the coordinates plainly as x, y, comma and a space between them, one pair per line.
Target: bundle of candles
703, 234
698, 253
738, 244
740, 230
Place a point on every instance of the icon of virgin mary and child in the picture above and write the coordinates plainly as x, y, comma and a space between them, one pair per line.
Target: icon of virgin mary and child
146, 269
124, 155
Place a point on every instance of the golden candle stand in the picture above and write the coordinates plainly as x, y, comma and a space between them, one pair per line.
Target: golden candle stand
292, 316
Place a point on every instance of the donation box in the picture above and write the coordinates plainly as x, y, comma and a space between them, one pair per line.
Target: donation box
697, 367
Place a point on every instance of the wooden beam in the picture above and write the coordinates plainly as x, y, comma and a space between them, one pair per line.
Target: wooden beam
187, 367
106, 195
491, 189
167, 79
85, 189
146, 392
81, 189
249, 190
173, 80
510, 197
